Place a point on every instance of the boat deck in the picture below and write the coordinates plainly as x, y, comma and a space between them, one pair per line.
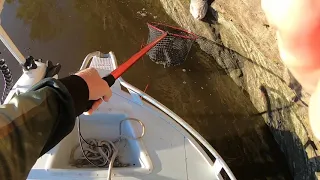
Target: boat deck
166, 151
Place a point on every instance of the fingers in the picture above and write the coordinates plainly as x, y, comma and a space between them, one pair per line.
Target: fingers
99, 89
107, 92
285, 13
314, 113
97, 86
301, 66
94, 107
275, 10
298, 26
107, 96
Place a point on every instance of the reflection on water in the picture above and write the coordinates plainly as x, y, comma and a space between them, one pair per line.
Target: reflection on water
198, 90
44, 17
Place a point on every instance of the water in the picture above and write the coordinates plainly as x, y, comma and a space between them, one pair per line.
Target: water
199, 90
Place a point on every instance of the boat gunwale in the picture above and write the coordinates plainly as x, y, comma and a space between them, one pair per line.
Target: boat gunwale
192, 134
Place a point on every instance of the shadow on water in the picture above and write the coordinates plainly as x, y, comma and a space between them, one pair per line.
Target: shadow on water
279, 114
227, 118
45, 17
200, 90
223, 113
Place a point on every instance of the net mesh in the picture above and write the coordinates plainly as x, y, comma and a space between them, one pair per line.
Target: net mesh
173, 49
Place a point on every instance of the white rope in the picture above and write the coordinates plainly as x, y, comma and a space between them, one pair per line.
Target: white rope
198, 8
100, 153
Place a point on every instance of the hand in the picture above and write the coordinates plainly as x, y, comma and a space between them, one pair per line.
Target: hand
98, 88
298, 34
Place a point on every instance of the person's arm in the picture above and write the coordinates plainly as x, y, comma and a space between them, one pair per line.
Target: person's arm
34, 122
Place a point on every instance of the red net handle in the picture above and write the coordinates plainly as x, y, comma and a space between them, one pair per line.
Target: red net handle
126, 65
115, 74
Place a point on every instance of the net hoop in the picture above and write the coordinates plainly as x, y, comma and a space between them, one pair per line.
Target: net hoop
174, 48
191, 35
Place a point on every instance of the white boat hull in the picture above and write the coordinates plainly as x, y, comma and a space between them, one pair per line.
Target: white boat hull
170, 148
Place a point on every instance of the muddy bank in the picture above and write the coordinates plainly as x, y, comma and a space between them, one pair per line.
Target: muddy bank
240, 28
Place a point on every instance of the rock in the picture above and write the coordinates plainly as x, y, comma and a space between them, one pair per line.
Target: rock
142, 13
247, 51
198, 8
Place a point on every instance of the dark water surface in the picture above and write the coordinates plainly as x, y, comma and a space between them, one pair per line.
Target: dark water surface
199, 90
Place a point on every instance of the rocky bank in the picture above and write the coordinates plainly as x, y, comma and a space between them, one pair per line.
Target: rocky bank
239, 28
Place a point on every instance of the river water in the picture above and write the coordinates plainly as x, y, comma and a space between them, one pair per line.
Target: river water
198, 90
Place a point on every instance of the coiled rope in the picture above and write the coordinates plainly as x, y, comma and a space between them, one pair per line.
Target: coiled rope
101, 153
7, 77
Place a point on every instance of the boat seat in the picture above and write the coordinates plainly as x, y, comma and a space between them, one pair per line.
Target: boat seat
105, 65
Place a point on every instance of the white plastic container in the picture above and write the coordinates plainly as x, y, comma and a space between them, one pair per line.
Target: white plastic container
102, 126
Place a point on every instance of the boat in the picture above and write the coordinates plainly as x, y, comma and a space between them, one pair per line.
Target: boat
161, 145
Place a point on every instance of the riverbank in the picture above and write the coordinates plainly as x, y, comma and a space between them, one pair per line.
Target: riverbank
240, 28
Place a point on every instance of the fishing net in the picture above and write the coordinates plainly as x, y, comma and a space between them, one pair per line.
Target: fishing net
174, 48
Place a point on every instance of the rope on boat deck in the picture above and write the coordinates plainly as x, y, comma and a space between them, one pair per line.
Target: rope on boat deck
7, 78
101, 153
